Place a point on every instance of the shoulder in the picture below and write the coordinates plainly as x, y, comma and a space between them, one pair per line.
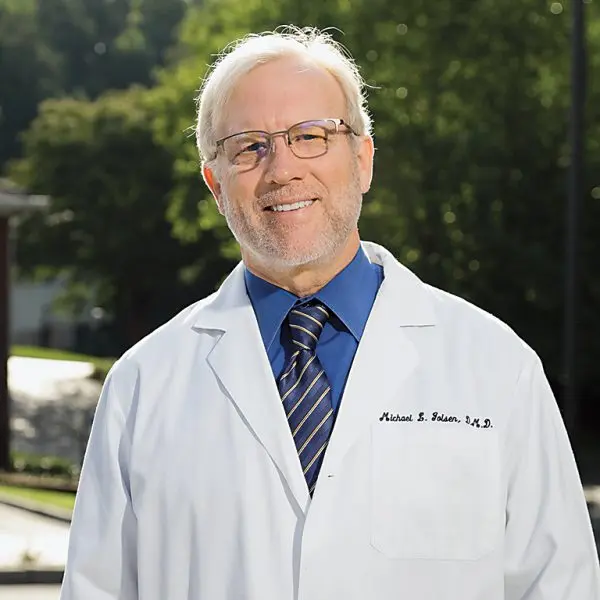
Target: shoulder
175, 330
463, 330
159, 349
484, 356
455, 313
472, 323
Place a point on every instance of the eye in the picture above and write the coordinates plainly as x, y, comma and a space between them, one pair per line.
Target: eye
307, 137
254, 148
308, 133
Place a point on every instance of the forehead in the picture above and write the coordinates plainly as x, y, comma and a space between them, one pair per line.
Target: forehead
280, 93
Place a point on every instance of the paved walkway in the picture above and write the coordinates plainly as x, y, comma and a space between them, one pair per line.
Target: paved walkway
29, 541
44, 541
52, 406
30, 592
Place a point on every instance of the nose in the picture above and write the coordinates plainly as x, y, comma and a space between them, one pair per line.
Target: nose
282, 165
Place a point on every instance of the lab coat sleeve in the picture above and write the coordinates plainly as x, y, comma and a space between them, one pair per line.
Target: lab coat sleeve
101, 562
550, 552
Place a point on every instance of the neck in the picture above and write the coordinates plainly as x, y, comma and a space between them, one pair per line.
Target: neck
307, 279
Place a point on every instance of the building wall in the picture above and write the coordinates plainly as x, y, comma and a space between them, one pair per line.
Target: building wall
31, 319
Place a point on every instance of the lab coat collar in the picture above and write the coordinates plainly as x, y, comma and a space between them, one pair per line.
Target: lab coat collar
411, 298
383, 361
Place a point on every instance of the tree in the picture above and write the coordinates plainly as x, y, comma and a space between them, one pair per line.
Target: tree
106, 230
108, 45
52, 48
470, 102
28, 70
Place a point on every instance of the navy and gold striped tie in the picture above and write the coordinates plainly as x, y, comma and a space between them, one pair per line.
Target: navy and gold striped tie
305, 390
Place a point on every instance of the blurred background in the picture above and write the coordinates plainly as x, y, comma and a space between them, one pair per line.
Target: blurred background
110, 231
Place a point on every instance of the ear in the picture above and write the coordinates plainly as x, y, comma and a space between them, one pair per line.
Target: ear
213, 184
364, 155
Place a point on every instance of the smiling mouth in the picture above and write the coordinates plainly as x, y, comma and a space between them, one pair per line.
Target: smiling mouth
290, 207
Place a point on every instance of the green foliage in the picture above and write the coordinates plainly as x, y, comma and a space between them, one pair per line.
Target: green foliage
33, 464
470, 103
49, 498
51, 48
106, 229
204, 32
28, 69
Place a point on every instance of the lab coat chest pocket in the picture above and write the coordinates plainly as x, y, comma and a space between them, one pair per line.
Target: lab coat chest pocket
436, 491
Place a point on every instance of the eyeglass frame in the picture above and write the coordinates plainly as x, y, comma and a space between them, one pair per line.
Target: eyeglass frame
270, 136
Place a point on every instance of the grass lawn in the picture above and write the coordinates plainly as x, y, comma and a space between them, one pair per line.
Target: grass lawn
102, 365
54, 499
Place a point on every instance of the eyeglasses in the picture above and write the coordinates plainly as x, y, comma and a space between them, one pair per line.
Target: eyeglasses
308, 139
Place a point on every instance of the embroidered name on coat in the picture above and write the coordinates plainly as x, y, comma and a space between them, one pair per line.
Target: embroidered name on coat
438, 417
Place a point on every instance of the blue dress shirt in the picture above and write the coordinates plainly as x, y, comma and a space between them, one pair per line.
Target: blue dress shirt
349, 296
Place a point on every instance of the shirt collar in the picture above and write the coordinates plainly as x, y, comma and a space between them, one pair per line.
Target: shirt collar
350, 295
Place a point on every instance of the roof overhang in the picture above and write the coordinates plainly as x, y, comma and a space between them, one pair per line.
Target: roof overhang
16, 203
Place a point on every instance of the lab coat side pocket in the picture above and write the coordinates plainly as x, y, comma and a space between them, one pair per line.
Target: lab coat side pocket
435, 491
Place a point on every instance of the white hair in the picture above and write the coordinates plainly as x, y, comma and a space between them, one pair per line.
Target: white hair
240, 57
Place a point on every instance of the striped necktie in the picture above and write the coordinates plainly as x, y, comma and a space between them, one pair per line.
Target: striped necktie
305, 390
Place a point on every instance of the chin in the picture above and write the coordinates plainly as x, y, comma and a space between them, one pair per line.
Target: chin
301, 255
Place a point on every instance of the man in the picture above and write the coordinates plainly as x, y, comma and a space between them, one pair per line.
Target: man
325, 426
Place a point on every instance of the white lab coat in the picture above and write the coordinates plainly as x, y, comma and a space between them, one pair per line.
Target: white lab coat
192, 490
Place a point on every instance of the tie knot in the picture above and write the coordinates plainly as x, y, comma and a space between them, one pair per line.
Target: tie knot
306, 324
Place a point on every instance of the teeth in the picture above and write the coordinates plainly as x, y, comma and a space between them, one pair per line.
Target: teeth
295, 206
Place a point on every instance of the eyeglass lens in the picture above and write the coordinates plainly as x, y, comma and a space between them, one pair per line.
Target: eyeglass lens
306, 140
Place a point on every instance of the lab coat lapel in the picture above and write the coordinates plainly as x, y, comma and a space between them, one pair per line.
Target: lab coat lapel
240, 363
385, 358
